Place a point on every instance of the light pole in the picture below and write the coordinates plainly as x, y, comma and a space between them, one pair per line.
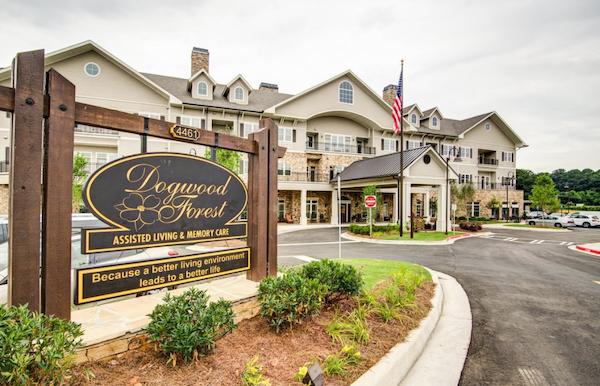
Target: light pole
452, 150
509, 179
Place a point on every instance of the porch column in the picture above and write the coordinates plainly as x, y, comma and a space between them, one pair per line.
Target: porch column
396, 208
303, 220
407, 203
442, 209
335, 208
426, 205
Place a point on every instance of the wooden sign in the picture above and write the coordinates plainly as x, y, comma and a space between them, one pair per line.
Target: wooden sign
99, 283
159, 199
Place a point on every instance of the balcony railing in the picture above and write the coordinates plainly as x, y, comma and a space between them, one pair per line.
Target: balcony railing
492, 186
490, 162
306, 177
94, 130
338, 148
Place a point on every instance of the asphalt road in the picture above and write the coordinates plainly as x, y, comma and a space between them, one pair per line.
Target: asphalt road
535, 303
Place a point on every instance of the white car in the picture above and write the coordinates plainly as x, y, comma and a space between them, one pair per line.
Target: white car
552, 221
586, 221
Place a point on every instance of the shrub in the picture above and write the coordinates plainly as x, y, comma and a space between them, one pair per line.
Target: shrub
186, 325
35, 348
290, 298
340, 279
364, 230
470, 226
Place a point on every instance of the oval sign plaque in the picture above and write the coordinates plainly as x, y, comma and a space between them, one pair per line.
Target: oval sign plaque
158, 199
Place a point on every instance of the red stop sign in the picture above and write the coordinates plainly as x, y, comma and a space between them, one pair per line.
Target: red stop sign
370, 201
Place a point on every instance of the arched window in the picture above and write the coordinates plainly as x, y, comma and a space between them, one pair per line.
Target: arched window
92, 69
202, 89
487, 126
434, 121
239, 94
346, 93
413, 118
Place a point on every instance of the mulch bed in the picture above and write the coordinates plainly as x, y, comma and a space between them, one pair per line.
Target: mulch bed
281, 355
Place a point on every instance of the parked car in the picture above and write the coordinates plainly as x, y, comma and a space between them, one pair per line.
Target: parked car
586, 221
552, 221
558, 214
534, 214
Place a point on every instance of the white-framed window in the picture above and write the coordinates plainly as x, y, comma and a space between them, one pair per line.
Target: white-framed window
464, 178
388, 144
284, 169
149, 115
340, 169
339, 143
202, 88
507, 157
465, 152
312, 209
346, 93
92, 69
488, 127
243, 166
238, 94
419, 208
473, 209
412, 144
434, 121
446, 150
286, 134
281, 209
249, 128
88, 157
413, 119
507, 181
191, 121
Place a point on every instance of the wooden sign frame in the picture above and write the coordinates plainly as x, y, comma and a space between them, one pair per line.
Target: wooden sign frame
52, 163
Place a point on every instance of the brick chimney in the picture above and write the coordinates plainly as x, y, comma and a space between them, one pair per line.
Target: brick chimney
389, 94
200, 58
269, 87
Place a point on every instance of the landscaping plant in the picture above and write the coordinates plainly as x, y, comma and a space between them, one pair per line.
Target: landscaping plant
35, 348
186, 326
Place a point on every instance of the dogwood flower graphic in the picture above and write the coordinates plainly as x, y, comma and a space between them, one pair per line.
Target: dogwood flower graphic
139, 210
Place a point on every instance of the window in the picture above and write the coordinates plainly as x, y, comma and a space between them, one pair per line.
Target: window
465, 152
284, 169
473, 209
247, 128
281, 209
285, 134
388, 144
340, 169
507, 157
88, 158
310, 142
464, 178
434, 122
346, 93
412, 144
413, 119
507, 181
149, 115
312, 207
419, 208
202, 88
487, 127
339, 143
239, 94
191, 121
92, 69
243, 166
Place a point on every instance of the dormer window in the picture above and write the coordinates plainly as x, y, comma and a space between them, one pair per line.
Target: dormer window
434, 121
346, 93
413, 119
238, 94
202, 89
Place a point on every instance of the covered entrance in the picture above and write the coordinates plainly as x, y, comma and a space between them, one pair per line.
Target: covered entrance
345, 209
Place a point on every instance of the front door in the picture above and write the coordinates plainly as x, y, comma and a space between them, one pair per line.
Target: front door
344, 212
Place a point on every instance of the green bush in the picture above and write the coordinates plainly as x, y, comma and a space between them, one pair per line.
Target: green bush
186, 326
35, 348
340, 279
290, 298
365, 230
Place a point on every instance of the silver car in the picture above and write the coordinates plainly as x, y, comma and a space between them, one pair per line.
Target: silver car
552, 221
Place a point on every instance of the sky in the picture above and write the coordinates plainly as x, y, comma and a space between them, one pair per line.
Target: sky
534, 62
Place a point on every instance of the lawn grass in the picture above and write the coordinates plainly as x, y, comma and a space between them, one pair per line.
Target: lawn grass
374, 270
418, 236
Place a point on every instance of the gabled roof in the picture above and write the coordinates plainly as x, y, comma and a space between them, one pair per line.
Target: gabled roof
386, 165
428, 113
241, 78
197, 75
347, 73
258, 100
406, 110
86, 46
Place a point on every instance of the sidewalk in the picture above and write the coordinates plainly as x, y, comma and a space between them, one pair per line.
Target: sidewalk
591, 249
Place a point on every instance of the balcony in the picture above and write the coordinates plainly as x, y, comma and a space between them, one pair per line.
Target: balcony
488, 162
94, 130
305, 177
327, 147
492, 186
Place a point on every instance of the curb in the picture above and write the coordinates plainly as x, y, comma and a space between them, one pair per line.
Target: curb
583, 248
449, 240
397, 363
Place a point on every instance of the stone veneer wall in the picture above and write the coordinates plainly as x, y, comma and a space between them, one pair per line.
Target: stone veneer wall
324, 205
297, 160
3, 199
484, 196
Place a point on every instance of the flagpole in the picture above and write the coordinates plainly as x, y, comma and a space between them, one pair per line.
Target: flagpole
401, 151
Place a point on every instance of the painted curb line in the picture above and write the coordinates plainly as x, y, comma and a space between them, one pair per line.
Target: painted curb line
586, 250
449, 240
397, 363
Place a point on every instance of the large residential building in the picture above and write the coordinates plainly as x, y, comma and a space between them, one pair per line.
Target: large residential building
340, 123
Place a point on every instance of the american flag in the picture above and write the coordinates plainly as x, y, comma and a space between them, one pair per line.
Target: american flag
397, 110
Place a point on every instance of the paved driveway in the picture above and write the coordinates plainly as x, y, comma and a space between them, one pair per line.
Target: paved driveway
535, 303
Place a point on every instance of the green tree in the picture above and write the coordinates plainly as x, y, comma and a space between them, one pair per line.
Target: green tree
525, 181
79, 176
462, 194
227, 158
372, 190
544, 194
